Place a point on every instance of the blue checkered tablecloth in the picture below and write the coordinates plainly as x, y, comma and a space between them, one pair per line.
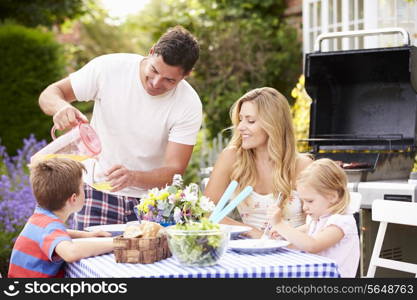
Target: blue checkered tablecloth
281, 263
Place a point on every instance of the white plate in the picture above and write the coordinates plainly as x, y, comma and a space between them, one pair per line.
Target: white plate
235, 230
256, 245
114, 229
93, 239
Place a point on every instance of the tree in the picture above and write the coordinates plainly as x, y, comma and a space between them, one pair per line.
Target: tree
98, 37
32, 13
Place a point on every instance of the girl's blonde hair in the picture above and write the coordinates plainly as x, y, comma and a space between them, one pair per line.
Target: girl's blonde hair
325, 176
274, 116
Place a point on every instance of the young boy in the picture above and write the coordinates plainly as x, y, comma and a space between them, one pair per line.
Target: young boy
44, 243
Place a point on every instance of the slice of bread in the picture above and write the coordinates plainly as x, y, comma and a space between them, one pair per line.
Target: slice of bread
145, 230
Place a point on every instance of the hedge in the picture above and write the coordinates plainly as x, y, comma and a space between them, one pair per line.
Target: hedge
30, 60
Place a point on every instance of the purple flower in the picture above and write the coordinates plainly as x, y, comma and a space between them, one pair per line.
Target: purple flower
158, 218
151, 208
16, 199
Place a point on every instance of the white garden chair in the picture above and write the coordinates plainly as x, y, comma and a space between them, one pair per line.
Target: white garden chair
396, 212
355, 202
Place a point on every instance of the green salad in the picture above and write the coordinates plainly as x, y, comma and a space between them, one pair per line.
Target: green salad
197, 243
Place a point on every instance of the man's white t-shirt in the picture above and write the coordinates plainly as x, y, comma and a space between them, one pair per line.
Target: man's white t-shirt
134, 127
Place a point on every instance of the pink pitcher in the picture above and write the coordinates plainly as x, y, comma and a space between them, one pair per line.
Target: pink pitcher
80, 143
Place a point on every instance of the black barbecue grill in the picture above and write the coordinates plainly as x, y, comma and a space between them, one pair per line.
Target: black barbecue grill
364, 108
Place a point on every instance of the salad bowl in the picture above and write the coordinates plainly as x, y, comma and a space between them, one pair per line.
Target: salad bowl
197, 244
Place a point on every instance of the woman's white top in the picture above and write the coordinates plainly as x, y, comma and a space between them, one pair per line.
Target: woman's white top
261, 206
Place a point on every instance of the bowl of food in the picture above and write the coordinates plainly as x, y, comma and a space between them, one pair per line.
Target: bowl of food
197, 244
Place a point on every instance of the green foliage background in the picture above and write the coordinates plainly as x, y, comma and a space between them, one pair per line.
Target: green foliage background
6, 242
33, 13
244, 45
31, 60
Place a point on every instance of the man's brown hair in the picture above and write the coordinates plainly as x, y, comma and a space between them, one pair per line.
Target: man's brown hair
55, 180
178, 47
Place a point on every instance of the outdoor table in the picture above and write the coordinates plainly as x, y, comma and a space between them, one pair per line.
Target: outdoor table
283, 262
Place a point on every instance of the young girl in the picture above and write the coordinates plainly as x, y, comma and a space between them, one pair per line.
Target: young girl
330, 230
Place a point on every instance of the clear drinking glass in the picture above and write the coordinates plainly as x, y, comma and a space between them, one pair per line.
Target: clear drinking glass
99, 179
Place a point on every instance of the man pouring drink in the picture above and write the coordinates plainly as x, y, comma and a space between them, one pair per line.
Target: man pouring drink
145, 114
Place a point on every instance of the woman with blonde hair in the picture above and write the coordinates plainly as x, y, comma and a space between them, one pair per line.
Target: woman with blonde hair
262, 153
330, 228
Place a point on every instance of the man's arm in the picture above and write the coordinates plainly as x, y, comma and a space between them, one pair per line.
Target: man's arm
176, 160
55, 101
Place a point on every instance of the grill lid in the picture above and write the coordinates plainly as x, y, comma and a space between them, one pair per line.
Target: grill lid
363, 99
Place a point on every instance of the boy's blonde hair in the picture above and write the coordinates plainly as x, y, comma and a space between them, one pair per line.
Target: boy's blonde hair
55, 180
275, 118
325, 176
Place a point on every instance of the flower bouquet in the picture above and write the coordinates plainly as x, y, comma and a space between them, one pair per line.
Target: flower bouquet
175, 203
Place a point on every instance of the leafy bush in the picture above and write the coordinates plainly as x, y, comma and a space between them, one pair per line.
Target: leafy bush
301, 114
31, 60
16, 199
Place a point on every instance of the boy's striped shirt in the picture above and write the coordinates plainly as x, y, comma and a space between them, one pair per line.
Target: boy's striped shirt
33, 253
